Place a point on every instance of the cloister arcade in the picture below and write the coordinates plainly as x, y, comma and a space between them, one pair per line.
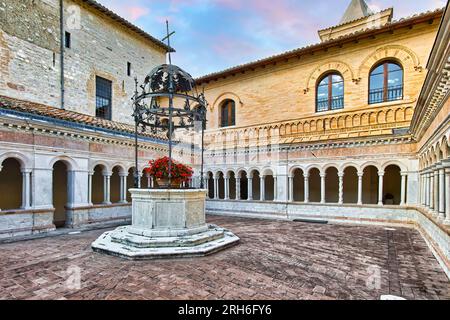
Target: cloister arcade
106, 184
370, 183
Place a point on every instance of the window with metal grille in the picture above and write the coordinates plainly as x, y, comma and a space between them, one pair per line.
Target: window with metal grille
103, 98
330, 93
228, 114
68, 40
386, 83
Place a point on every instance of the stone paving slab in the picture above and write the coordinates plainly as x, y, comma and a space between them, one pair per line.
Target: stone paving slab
274, 260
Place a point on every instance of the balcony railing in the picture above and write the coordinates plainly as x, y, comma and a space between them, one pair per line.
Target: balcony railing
336, 103
393, 93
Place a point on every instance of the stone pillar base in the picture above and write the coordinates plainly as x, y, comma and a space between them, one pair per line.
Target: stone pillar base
166, 224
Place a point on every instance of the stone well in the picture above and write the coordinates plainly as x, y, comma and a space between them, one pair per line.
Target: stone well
166, 223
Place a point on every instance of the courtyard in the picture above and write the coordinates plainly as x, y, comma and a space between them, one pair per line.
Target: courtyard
274, 260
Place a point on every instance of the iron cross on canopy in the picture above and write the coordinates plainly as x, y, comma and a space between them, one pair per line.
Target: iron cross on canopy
169, 34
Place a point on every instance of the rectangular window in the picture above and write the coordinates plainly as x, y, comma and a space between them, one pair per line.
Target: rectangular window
129, 69
103, 99
67, 40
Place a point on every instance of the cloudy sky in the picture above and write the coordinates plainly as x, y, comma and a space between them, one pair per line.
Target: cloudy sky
212, 35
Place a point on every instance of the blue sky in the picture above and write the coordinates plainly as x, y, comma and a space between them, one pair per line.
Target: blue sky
212, 35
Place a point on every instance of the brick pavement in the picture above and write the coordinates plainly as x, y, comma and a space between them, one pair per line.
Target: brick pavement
275, 260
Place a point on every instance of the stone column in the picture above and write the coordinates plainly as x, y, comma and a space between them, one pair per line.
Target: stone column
106, 187
403, 189
291, 189
275, 188
447, 195
262, 188
341, 187
216, 188
227, 188
149, 180
436, 191
427, 190
322, 187
431, 200
123, 187
238, 188
250, 189
422, 190
26, 189
306, 176
380, 187
441, 208
360, 187
91, 174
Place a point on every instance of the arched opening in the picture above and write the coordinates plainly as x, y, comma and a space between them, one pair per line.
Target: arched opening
256, 183
299, 186
370, 185
332, 185
386, 82
115, 185
210, 183
60, 193
244, 185
227, 113
221, 185
351, 185
314, 185
130, 183
269, 188
232, 186
10, 185
330, 92
392, 184
98, 192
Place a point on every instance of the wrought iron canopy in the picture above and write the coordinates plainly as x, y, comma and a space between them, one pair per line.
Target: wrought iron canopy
168, 99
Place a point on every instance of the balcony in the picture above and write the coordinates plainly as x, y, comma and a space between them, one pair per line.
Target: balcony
335, 103
393, 93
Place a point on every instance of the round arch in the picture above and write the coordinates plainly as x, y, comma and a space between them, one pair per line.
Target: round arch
407, 58
23, 160
329, 67
68, 161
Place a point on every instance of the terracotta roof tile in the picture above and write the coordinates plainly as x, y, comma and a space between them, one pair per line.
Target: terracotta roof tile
55, 113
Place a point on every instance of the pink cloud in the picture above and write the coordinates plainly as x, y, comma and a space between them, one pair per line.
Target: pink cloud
131, 12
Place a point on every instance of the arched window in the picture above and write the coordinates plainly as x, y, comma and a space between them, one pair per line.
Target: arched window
330, 93
228, 114
386, 83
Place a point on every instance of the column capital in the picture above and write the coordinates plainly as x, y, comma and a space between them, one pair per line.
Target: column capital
306, 175
26, 170
123, 174
381, 173
106, 173
323, 175
404, 173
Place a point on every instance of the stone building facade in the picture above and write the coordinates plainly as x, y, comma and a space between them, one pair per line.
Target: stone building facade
354, 129
358, 161
61, 164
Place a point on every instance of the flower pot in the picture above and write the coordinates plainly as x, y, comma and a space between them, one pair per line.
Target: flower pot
164, 183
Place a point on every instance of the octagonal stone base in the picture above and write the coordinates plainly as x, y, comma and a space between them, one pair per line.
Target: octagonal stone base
166, 224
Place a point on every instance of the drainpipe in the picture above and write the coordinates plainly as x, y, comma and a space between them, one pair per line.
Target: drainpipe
62, 47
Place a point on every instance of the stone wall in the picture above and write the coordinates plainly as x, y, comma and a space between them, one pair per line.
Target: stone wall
30, 56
